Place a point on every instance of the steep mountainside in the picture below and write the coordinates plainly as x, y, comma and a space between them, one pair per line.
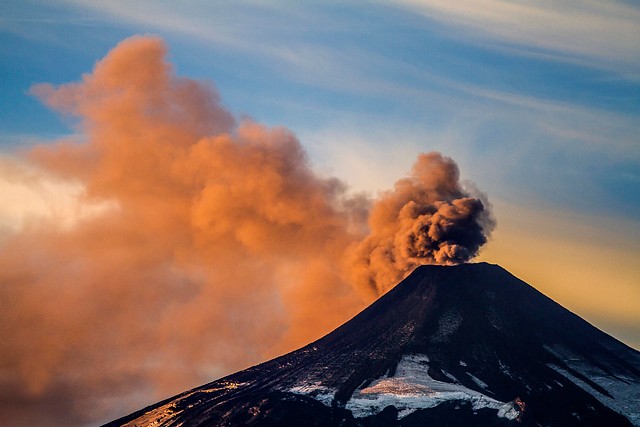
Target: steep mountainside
449, 346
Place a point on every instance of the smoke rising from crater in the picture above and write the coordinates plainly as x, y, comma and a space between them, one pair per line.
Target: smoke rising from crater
217, 245
428, 218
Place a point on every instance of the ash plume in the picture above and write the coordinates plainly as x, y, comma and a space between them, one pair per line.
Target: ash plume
216, 245
428, 218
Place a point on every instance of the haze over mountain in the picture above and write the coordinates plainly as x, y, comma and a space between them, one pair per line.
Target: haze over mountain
449, 346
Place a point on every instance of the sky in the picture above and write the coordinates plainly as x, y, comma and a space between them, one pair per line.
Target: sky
216, 154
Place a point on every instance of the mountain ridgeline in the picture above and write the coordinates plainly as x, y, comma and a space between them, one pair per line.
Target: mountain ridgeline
466, 345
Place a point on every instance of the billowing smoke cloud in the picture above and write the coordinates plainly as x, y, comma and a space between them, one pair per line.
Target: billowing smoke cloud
427, 219
214, 246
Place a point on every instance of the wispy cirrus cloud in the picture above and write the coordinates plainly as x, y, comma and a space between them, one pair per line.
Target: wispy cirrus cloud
607, 33
596, 33
243, 26
331, 70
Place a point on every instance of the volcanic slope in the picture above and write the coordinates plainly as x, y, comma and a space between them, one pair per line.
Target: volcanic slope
448, 346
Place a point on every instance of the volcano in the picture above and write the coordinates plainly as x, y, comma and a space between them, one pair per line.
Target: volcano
466, 345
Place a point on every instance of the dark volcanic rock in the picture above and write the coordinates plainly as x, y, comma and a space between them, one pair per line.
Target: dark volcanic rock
449, 346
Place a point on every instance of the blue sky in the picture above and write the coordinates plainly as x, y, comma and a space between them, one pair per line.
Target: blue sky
538, 102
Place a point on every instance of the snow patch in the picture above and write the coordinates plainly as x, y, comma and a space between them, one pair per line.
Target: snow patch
478, 381
623, 401
449, 322
451, 377
166, 413
158, 416
504, 369
625, 397
412, 388
223, 385
320, 393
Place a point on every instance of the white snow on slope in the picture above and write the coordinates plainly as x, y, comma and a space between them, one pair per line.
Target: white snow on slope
410, 389
625, 392
165, 414
478, 381
318, 392
447, 325
158, 416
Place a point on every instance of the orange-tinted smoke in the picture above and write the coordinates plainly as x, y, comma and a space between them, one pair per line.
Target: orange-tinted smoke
427, 219
220, 247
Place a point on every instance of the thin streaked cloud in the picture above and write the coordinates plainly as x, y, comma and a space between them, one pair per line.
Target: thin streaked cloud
607, 32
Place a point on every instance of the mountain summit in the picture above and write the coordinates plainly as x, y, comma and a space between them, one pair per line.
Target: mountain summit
467, 345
